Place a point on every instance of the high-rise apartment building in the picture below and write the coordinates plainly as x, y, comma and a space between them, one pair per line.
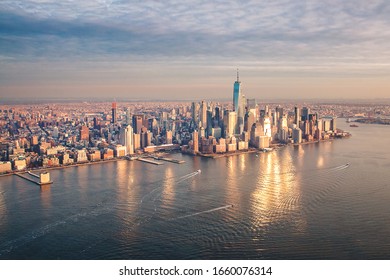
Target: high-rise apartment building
203, 114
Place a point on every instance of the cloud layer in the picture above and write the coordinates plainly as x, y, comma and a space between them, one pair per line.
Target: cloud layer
267, 38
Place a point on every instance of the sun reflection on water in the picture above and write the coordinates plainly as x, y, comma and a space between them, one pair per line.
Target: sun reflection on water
276, 196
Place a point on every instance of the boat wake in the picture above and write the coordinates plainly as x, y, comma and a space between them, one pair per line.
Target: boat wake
188, 176
204, 212
341, 167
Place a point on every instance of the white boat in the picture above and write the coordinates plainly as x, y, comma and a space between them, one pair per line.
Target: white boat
199, 171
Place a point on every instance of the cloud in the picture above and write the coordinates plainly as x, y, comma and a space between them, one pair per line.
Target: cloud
284, 37
246, 28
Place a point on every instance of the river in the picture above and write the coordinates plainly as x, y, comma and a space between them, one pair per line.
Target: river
326, 200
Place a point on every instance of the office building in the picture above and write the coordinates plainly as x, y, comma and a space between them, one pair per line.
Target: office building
297, 116
231, 124
137, 141
113, 113
137, 123
333, 125
305, 113
297, 135
126, 139
238, 105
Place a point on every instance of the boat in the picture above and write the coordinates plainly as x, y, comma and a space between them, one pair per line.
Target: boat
353, 125
199, 171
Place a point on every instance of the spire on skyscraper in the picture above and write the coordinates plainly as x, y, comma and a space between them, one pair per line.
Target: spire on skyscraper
238, 76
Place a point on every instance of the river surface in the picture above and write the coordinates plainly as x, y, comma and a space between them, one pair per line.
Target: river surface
327, 200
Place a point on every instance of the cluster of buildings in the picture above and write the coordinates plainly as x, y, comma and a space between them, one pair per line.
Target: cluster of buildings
47, 135
246, 125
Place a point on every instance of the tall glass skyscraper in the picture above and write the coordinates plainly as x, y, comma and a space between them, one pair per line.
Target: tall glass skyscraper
238, 105
236, 93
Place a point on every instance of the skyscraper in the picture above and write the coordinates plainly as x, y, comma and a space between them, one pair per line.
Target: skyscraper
232, 124
194, 111
126, 139
278, 113
195, 141
203, 114
297, 115
297, 135
236, 93
217, 114
333, 126
128, 116
249, 120
238, 105
305, 113
113, 117
137, 123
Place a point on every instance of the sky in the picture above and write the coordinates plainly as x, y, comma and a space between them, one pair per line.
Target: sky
284, 49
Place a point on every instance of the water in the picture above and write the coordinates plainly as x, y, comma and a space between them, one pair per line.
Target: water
295, 203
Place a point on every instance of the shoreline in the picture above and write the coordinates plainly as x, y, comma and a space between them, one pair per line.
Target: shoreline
211, 156
61, 166
237, 153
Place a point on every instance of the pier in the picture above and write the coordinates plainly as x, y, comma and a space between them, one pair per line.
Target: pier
44, 178
150, 161
170, 160
32, 174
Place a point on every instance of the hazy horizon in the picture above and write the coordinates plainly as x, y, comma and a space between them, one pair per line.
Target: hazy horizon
190, 51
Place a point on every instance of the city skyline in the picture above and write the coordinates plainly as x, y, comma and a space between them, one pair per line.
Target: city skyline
153, 50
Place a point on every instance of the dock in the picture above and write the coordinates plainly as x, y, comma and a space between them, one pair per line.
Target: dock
32, 174
150, 161
44, 180
171, 160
